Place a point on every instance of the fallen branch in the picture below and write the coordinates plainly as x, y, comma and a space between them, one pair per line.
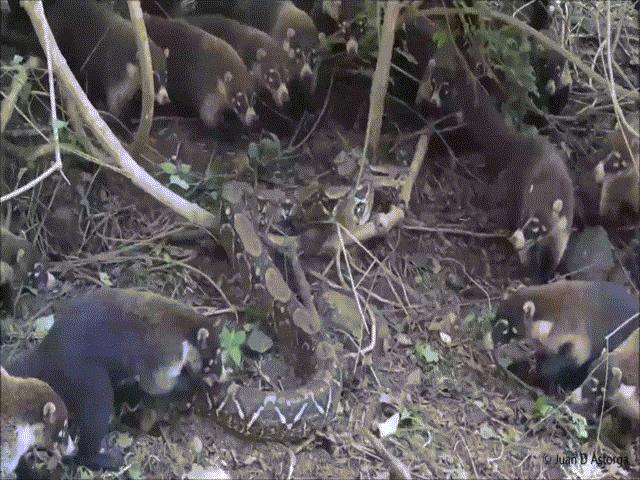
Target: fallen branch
146, 78
414, 168
103, 133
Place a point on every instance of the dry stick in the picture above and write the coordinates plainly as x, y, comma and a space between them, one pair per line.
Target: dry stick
103, 133
379, 85
540, 37
17, 84
57, 164
146, 77
414, 168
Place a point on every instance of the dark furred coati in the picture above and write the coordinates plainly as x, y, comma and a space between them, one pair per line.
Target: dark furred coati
108, 337
568, 321
32, 414
618, 174
100, 46
206, 75
534, 181
263, 56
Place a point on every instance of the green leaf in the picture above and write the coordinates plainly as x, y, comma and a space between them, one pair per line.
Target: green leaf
440, 38
168, 168
176, 180
104, 279
542, 407
426, 354
235, 356
185, 168
17, 59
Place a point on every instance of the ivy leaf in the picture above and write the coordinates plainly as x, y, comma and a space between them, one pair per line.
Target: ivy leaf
185, 168
104, 279
440, 38
176, 180
168, 168
426, 354
542, 407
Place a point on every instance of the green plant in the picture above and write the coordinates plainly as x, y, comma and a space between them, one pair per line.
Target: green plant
426, 354
231, 342
179, 175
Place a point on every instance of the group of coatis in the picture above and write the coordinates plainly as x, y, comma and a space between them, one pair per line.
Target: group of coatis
213, 64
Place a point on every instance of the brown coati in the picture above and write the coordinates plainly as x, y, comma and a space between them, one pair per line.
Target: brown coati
553, 77
110, 337
618, 174
265, 59
17, 261
32, 414
534, 180
568, 322
207, 77
338, 18
101, 46
290, 26
621, 381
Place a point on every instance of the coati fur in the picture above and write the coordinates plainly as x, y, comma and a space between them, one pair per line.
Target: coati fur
621, 383
553, 77
32, 414
534, 180
207, 77
265, 59
568, 322
288, 25
107, 338
618, 174
337, 17
102, 46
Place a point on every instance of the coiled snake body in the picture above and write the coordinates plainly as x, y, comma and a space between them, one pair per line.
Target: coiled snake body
290, 414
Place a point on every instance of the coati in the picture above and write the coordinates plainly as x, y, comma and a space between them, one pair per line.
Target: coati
621, 383
288, 25
553, 77
568, 322
101, 45
338, 16
18, 258
32, 414
107, 338
618, 174
262, 55
534, 181
206, 75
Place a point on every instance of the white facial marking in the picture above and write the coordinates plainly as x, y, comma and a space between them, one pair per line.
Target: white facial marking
557, 205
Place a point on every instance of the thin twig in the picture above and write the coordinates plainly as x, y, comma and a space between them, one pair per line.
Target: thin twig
17, 84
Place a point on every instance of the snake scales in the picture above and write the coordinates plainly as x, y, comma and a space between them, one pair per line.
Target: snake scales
289, 414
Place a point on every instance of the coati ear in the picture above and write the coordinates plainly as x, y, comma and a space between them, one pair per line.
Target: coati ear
290, 33
201, 337
529, 309
49, 412
322, 36
228, 76
557, 206
260, 54
617, 375
166, 52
